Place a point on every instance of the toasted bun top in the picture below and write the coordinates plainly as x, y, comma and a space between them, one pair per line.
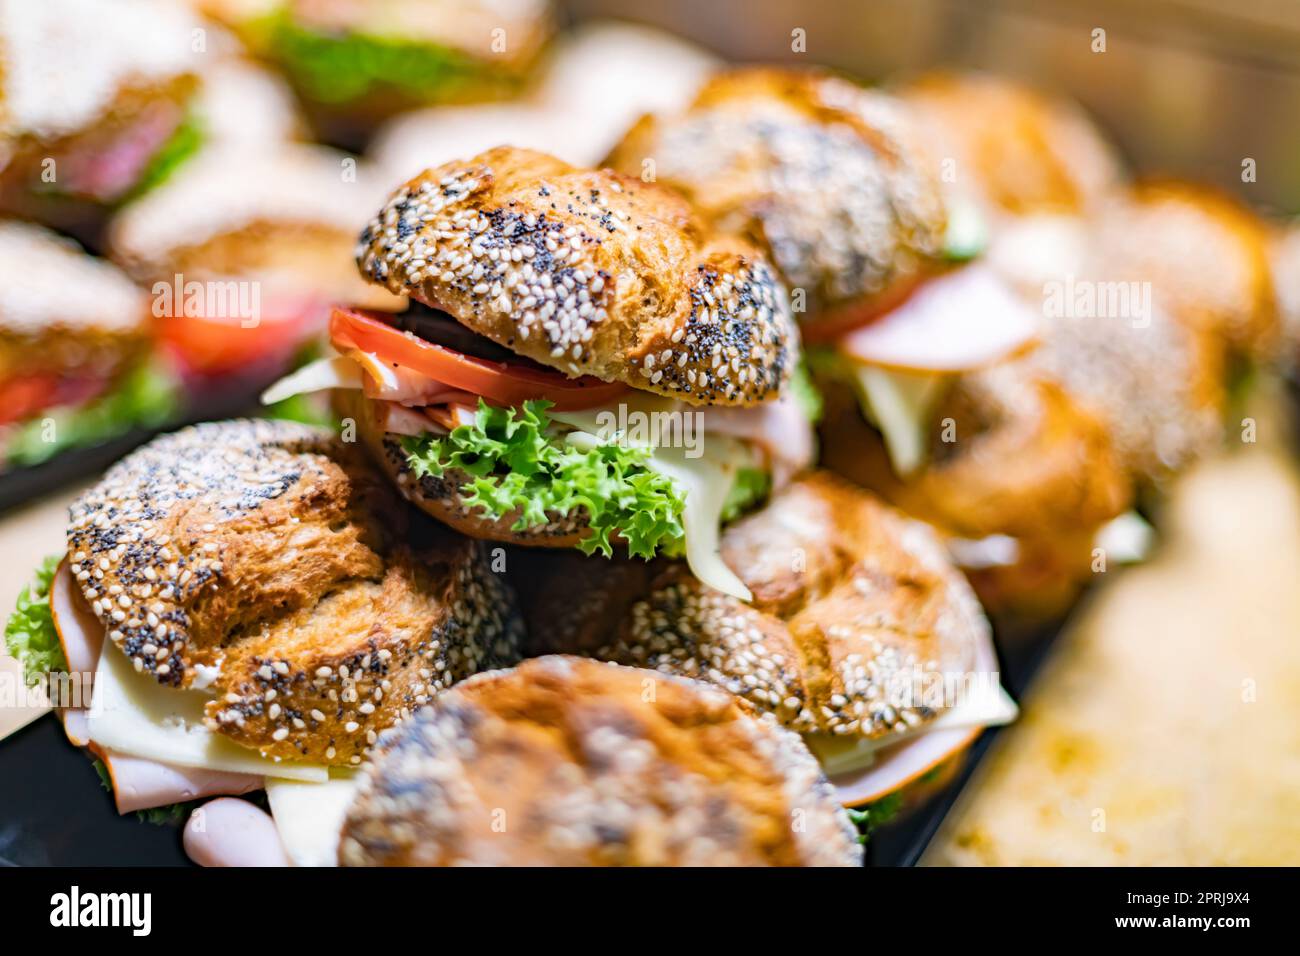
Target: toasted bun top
1016, 149
830, 177
569, 762
66, 61
49, 282
265, 561
850, 598
590, 272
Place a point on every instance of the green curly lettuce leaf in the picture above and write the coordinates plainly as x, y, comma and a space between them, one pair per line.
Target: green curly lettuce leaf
184, 142
339, 68
805, 393
752, 486
147, 397
874, 815
30, 636
514, 464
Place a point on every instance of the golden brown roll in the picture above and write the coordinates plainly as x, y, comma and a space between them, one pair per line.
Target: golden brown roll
829, 177
1028, 472
265, 562
1014, 150
849, 597
589, 272
563, 761
1205, 255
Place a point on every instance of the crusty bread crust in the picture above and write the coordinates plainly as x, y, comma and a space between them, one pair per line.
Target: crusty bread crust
269, 553
1019, 150
1205, 253
569, 762
1029, 461
829, 177
441, 496
590, 272
1025, 457
850, 598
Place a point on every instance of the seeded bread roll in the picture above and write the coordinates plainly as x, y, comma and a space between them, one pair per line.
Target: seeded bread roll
265, 561
442, 496
1026, 461
589, 272
1205, 256
569, 762
850, 597
65, 313
1013, 149
830, 178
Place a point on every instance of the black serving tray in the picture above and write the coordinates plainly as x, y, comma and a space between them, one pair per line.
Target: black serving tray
54, 812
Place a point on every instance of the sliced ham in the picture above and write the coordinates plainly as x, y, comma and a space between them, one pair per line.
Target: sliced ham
452, 415
106, 170
139, 784
966, 319
232, 832
899, 765
80, 633
75, 726
779, 428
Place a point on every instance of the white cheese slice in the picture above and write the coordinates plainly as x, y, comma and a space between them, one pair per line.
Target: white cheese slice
309, 816
987, 705
900, 405
1126, 538
337, 372
133, 714
990, 551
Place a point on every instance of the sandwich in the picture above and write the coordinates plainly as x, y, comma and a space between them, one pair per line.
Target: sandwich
355, 63
862, 636
77, 363
584, 364
905, 324
244, 251
247, 603
566, 114
564, 761
80, 133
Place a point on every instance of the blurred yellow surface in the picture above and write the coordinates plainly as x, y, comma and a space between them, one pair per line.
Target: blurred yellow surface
1166, 728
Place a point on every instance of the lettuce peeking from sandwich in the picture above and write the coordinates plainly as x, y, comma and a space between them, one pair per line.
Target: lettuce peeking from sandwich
516, 465
339, 68
145, 398
184, 142
30, 635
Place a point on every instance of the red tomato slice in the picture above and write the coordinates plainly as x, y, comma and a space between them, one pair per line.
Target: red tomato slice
502, 383
25, 395
220, 344
841, 321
